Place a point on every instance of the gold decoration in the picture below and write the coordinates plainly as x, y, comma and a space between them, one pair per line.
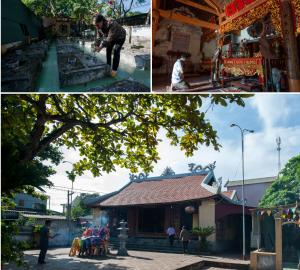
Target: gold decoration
243, 66
296, 6
270, 6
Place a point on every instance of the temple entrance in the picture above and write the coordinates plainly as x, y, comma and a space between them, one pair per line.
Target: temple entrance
229, 232
151, 220
290, 245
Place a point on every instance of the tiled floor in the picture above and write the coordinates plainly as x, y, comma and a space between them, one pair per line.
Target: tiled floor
58, 259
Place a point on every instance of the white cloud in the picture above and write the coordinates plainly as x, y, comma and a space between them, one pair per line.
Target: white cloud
272, 109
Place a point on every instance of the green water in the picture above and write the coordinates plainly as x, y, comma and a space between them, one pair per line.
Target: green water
49, 81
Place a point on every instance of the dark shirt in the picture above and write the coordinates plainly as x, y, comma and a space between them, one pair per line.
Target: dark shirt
44, 237
112, 31
184, 235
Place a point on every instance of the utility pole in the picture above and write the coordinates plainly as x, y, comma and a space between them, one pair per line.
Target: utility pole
69, 215
278, 141
49, 203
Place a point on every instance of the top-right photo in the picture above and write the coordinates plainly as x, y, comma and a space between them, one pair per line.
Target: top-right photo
225, 46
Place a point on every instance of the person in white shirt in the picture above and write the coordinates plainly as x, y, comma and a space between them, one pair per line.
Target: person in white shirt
178, 81
171, 234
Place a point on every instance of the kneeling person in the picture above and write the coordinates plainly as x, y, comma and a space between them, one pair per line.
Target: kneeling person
114, 38
178, 81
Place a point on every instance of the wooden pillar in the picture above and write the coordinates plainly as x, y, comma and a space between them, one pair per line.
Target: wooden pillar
155, 19
278, 243
288, 31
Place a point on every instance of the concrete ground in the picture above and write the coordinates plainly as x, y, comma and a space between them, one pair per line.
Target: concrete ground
58, 259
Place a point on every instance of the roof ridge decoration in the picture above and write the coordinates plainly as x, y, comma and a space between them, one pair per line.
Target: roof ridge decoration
138, 177
194, 169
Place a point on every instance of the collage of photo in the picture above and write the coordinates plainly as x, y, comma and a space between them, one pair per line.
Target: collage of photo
150, 134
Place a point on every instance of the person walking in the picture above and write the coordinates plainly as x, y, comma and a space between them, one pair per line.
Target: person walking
171, 232
114, 36
184, 237
44, 241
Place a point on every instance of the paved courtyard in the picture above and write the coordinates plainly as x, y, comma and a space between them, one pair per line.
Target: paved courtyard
58, 259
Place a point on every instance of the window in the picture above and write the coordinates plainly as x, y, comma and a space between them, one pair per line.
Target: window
21, 203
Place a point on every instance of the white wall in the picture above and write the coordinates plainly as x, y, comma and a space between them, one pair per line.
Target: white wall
195, 34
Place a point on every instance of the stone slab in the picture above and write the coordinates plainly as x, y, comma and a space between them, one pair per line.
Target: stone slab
76, 67
20, 68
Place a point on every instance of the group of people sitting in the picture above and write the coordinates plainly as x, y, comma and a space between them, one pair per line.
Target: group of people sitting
93, 242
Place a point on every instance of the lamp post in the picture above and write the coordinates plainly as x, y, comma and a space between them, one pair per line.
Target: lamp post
243, 172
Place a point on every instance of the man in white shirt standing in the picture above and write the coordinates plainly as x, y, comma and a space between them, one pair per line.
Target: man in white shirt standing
178, 74
171, 234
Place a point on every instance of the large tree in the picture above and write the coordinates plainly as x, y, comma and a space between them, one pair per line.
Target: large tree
286, 189
107, 131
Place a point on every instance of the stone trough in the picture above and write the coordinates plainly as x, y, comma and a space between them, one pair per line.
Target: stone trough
20, 68
76, 67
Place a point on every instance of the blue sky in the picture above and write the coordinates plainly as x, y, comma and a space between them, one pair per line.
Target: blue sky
270, 115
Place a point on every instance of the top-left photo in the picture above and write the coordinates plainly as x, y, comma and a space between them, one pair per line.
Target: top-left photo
75, 45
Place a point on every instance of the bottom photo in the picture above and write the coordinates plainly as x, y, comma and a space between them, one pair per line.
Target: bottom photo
143, 182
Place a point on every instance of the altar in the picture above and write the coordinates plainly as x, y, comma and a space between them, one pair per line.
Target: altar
245, 66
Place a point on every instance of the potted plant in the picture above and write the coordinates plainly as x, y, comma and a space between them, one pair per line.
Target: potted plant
203, 233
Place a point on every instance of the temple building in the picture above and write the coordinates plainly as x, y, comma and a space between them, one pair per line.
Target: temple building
237, 45
194, 199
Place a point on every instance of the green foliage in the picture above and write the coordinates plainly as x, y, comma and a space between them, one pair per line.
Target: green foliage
11, 250
107, 131
286, 189
81, 10
203, 233
37, 228
168, 171
79, 208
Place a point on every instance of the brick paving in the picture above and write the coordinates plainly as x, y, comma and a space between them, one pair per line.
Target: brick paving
58, 259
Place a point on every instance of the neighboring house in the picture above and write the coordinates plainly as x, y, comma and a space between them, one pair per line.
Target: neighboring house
59, 225
139, 19
254, 189
150, 205
26, 202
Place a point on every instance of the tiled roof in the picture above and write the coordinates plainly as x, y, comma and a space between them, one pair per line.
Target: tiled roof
228, 193
156, 191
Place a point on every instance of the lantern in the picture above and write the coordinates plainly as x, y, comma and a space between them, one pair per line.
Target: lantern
190, 209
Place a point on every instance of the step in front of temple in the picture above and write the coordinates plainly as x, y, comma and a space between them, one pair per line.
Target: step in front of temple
149, 244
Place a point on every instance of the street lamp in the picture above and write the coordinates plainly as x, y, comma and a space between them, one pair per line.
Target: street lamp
243, 172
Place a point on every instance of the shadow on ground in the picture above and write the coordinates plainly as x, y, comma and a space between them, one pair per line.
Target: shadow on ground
63, 262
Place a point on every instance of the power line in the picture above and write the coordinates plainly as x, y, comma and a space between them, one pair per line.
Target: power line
63, 188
